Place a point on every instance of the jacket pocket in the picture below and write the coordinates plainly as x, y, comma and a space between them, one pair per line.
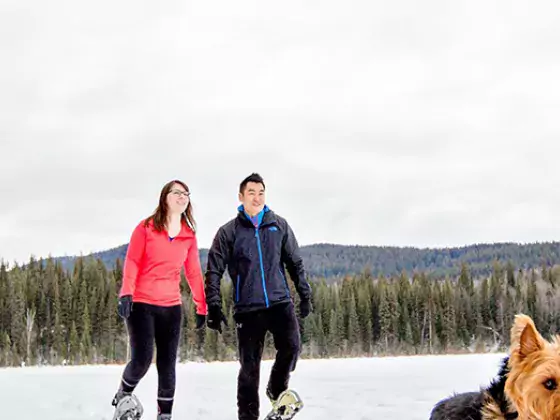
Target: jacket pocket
285, 282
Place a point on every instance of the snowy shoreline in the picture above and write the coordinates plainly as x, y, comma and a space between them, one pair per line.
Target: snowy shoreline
390, 387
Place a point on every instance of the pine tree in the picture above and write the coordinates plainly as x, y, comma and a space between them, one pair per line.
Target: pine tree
448, 316
510, 274
16, 309
334, 338
109, 320
485, 305
385, 317
404, 331
230, 339
58, 349
365, 320
532, 296
74, 345
4, 290
85, 337
29, 334
462, 316
65, 317
319, 336
211, 351
353, 331
5, 350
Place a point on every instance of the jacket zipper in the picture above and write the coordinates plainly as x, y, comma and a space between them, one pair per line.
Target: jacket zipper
237, 290
262, 265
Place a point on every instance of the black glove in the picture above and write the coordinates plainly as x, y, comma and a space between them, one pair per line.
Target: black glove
200, 321
215, 318
305, 308
125, 306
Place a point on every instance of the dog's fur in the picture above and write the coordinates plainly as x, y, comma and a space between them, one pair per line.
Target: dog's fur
526, 387
488, 403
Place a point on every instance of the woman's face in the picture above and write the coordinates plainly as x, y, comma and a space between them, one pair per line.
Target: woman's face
177, 199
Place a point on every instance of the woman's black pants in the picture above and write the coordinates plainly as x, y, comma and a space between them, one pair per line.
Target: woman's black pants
148, 324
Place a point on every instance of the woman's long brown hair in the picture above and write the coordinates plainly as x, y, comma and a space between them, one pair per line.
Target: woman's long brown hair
159, 216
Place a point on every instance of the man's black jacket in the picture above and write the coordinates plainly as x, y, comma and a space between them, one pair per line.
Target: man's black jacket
255, 258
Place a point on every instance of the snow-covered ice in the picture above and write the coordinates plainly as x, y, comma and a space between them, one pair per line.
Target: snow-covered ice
392, 388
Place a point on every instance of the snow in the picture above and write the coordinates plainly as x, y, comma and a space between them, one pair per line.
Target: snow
352, 389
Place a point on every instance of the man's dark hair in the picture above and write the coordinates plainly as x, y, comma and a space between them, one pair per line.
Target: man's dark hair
254, 177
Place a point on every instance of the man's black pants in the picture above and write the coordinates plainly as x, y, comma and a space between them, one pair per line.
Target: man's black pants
146, 324
251, 327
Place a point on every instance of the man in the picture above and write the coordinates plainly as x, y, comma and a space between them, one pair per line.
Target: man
256, 246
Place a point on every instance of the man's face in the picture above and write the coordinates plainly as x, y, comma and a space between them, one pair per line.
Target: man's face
253, 198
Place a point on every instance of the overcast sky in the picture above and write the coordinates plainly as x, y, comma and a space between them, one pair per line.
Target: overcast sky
427, 124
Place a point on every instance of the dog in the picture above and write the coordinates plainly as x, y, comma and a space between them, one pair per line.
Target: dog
526, 387
488, 403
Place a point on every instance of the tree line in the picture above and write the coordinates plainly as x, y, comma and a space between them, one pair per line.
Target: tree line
334, 262
50, 315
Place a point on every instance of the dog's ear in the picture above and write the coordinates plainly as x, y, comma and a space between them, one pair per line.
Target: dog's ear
525, 339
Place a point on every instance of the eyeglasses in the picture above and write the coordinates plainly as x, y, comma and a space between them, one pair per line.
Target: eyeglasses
178, 193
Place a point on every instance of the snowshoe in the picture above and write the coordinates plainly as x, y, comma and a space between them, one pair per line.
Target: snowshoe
286, 406
127, 407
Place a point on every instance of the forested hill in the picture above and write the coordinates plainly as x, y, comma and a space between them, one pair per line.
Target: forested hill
334, 261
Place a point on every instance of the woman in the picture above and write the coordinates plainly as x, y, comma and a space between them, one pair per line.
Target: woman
150, 297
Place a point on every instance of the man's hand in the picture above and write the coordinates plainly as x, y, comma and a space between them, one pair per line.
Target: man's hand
305, 308
200, 321
124, 307
215, 318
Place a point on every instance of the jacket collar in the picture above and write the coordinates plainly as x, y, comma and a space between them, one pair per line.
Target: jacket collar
265, 216
185, 232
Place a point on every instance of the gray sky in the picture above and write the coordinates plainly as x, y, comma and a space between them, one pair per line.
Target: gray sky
381, 123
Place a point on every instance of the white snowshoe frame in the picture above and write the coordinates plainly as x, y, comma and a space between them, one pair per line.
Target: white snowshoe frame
286, 406
128, 408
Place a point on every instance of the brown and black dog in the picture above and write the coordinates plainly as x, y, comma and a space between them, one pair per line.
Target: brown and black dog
526, 387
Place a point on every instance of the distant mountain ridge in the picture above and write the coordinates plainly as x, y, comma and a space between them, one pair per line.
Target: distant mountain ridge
335, 261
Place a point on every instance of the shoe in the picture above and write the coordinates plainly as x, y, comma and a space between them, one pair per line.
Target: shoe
119, 396
164, 417
269, 395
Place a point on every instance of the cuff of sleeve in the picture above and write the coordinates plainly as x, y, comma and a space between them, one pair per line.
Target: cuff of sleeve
201, 308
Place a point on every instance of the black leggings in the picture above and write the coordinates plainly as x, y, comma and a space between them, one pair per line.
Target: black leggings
146, 324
